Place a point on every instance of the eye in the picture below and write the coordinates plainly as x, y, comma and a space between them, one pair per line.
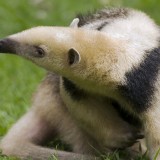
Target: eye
39, 52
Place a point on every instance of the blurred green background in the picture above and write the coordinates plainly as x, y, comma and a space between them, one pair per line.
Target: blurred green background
19, 78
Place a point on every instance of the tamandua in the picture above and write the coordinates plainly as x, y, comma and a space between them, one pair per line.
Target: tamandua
102, 88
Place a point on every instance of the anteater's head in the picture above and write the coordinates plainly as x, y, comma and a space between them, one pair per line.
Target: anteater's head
86, 55
71, 52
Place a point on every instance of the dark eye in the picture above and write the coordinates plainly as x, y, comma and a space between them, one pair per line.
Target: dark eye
39, 52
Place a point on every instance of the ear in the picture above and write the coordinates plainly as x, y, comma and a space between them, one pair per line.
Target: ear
73, 57
74, 23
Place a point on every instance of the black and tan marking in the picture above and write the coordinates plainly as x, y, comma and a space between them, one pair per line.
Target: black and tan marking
75, 92
104, 14
140, 81
101, 26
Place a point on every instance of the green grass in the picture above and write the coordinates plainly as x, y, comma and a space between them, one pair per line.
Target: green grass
19, 78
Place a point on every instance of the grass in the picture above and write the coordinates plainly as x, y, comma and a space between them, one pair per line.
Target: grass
19, 78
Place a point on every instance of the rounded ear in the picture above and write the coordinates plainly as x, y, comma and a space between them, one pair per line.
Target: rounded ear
73, 56
74, 23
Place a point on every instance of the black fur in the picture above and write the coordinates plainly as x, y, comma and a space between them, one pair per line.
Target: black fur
140, 82
126, 116
103, 14
73, 90
101, 26
78, 94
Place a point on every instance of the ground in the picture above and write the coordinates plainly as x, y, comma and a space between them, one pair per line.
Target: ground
19, 78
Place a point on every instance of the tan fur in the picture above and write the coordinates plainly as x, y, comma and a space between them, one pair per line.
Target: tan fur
49, 117
100, 128
152, 124
86, 42
44, 121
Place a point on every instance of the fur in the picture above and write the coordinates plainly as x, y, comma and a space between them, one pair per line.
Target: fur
115, 58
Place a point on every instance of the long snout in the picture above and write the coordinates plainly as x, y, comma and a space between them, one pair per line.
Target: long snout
8, 45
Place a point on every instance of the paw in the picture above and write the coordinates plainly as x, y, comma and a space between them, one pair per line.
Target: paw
138, 149
126, 140
131, 139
